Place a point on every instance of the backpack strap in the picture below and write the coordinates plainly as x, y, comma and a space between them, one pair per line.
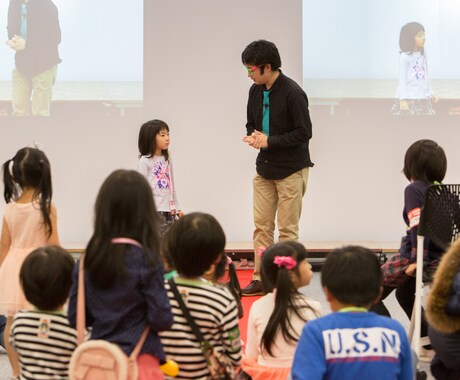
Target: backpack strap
81, 317
124, 240
186, 312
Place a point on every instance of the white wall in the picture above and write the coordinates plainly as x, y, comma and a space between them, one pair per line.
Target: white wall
199, 87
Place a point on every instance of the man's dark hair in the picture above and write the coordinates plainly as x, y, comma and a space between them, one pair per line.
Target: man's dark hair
261, 52
46, 277
352, 275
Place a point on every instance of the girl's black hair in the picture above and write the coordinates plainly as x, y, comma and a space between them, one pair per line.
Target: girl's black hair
124, 208
287, 297
30, 168
425, 161
233, 284
46, 277
147, 142
407, 36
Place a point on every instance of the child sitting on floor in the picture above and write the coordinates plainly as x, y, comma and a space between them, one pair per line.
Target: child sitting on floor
192, 245
276, 320
352, 343
43, 337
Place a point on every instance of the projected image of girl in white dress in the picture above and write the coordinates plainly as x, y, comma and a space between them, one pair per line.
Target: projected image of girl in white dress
414, 95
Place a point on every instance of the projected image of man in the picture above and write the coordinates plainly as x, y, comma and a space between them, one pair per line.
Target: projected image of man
34, 34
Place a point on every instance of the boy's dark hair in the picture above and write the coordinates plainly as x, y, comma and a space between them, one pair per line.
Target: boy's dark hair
193, 244
46, 277
261, 52
425, 161
147, 137
124, 208
30, 168
352, 275
407, 36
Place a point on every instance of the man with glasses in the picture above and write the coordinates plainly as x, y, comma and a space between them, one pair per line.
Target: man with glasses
279, 126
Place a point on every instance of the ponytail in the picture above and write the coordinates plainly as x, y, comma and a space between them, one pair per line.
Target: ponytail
10, 189
279, 319
45, 193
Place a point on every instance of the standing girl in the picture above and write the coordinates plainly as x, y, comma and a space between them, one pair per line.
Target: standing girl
414, 93
425, 163
155, 165
124, 288
29, 222
276, 320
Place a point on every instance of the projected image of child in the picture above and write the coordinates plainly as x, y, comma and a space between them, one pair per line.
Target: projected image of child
414, 95
34, 34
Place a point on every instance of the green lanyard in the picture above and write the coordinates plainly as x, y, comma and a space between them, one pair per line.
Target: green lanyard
52, 312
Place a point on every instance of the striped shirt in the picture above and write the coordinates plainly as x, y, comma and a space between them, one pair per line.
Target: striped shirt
44, 342
215, 312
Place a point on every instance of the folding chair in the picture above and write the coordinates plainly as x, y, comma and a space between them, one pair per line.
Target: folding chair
439, 222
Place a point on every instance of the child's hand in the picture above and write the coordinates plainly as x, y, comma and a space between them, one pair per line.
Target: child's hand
180, 214
434, 99
403, 105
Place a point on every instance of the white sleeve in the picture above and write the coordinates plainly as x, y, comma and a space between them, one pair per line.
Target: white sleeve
176, 202
252, 350
142, 167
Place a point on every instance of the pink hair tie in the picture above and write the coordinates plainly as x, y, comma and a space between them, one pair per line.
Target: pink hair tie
285, 261
261, 250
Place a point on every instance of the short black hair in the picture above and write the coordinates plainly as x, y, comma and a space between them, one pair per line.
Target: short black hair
425, 161
46, 277
193, 244
407, 36
352, 275
261, 52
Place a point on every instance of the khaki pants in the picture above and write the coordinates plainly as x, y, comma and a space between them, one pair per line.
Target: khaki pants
35, 91
272, 197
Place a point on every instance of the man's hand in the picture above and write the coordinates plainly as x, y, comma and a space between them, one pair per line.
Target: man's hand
260, 140
17, 43
248, 140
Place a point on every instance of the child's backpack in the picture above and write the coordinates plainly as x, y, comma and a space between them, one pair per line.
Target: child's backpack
100, 359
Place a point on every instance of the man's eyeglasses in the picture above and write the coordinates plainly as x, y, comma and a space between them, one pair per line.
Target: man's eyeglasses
253, 68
